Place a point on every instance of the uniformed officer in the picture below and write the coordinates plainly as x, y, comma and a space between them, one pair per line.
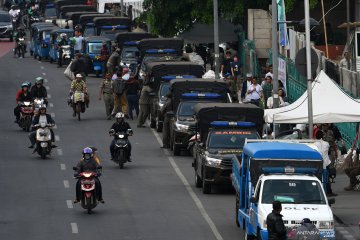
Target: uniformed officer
107, 93
166, 124
145, 105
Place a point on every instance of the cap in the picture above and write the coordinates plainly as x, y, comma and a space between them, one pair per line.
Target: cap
248, 75
269, 74
78, 75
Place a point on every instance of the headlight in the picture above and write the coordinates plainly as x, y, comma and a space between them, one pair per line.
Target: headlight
121, 136
9, 27
326, 225
181, 127
213, 162
161, 104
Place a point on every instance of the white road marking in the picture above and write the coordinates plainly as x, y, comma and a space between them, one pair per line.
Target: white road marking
51, 105
39, 61
49, 96
63, 166
45, 80
55, 127
59, 151
74, 228
57, 138
69, 204
47, 87
52, 115
66, 184
191, 192
42, 67
44, 74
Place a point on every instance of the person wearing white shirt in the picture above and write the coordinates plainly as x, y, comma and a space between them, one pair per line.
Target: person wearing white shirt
78, 42
255, 92
282, 100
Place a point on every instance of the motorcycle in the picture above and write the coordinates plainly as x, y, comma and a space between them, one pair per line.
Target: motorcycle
78, 103
121, 151
66, 54
26, 115
20, 50
88, 192
43, 139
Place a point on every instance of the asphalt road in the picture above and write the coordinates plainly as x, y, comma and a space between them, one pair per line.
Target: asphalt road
153, 198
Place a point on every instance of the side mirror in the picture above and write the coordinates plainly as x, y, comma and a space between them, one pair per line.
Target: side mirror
75, 168
331, 201
170, 114
253, 200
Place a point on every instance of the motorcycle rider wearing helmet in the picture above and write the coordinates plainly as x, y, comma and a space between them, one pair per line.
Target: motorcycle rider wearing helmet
22, 96
61, 42
42, 117
88, 164
38, 90
119, 126
19, 34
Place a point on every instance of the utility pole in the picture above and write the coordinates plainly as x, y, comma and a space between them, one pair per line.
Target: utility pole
216, 39
308, 67
348, 23
275, 52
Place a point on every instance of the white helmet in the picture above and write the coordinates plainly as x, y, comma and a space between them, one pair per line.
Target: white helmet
120, 115
63, 35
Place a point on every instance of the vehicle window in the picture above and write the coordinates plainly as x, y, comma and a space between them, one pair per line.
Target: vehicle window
46, 35
89, 32
164, 90
95, 48
186, 109
292, 191
50, 12
233, 139
129, 52
5, 18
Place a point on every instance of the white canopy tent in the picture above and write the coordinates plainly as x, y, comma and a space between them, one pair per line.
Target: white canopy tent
330, 105
101, 3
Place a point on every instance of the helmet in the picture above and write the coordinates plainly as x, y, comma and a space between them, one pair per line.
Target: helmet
39, 80
120, 115
78, 75
42, 106
63, 35
25, 84
87, 150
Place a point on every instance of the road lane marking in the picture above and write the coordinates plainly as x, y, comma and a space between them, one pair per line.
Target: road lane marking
51, 105
191, 192
44, 74
39, 61
47, 87
74, 228
69, 204
48, 96
55, 127
66, 184
52, 115
59, 151
57, 138
42, 67
63, 166
45, 80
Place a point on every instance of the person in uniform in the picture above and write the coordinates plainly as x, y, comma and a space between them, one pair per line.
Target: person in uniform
145, 105
106, 93
166, 124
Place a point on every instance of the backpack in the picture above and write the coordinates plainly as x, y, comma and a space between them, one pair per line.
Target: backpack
119, 86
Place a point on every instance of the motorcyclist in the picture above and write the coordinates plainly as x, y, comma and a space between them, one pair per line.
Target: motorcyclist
23, 96
88, 164
43, 117
19, 34
119, 126
61, 42
79, 85
14, 13
38, 90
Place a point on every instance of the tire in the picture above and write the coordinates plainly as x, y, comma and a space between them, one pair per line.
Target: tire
31, 53
88, 205
237, 204
39, 58
198, 181
78, 110
97, 73
121, 158
206, 187
51, 60
153, 123
159, 126
34, 55
43, 153
177, 150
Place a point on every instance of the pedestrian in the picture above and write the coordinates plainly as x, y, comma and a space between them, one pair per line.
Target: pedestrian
330, 138
132, 94
275, 224
166, 124
267, 88
119, 90
307, 231
281, 97
78, 65
255, 92
113, 61
226, 64
346, 62
104, 56
106, 93
245, 86
323, 147
236, 72
78, 41
145, 105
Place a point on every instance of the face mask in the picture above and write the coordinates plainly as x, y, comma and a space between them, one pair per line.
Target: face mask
126, 77
87, 157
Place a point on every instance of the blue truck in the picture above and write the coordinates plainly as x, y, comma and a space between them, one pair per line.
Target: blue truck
287, 171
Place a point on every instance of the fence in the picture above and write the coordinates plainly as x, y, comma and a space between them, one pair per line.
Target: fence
248, 56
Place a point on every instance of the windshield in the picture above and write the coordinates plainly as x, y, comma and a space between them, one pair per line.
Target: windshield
164, 90
5, 18
89, 31
230, 139
111, 34
50, 12
129, 52
46, 35
292, 191
95, 48
186, 109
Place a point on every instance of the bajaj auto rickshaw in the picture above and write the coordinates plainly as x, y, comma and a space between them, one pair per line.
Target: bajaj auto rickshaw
60, 3
87, 24
50, 11
109, 26
75, 8
92, 48
33, 33
159, 75
42, 43
68, 51
75, 16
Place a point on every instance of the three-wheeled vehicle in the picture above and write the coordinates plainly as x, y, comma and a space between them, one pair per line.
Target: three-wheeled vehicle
75, 8
155, 49
60, 3
50, 11
42, 42
33, 33
68, 51
159, 75
75, 16
87, 23
92, 47
109, 26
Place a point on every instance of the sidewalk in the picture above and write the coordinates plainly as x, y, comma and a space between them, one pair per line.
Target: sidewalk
346, 210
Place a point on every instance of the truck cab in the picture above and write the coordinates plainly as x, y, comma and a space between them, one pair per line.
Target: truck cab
286, 171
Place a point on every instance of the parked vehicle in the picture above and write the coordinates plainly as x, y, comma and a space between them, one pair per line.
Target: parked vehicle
222, 129
6, 28
60, 3
68, 51
50, 11
92, 48
34, 34
42, 42
109, 26
159, 75
87, 23
43, 139
75, 16
186, 93
287, 171
75, 8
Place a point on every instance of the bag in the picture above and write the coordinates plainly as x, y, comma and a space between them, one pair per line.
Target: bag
68, 73
119, 87
262, 103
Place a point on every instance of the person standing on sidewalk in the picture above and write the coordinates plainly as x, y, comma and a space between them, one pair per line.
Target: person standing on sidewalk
78, 42
107, 93
275, 224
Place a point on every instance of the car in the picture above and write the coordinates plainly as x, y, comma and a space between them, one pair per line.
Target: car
6, 29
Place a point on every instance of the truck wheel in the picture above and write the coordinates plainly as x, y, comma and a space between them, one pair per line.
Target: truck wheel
198, 181
237, 211
177, 150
